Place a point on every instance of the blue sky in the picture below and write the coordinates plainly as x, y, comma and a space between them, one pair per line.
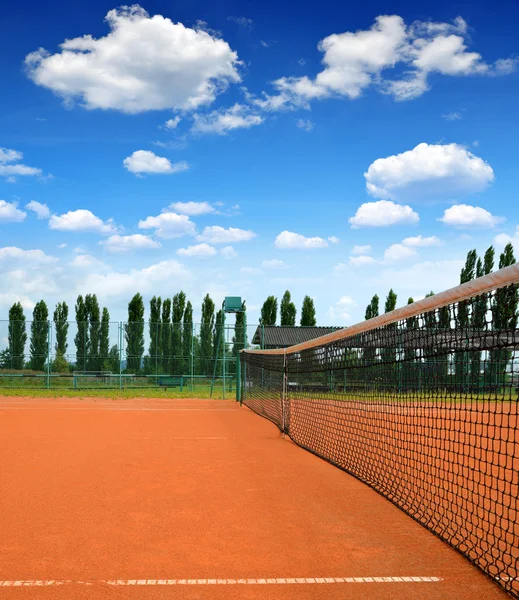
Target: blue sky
245, 149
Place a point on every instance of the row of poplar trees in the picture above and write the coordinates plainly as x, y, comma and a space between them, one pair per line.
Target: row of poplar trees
288, 312
173, 341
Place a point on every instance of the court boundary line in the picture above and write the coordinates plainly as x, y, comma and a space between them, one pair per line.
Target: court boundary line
227, 581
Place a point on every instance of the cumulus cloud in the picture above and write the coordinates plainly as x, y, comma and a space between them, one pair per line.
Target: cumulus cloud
419, 240
355, 61
198, 251
27, 257
143, 63
361, 261
356, 250
465, 215
382, 214
223, 120
10, 213
304, 124
333, 240
41, 210
219, 235
399, 252
119, 244
192, 209
172, 123
274, 263
340, 312
169, 225
228, 252
145, 161
87, 261
11, 168
81, 220
428, 170
288, 240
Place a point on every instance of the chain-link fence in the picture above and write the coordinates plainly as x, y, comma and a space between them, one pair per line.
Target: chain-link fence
121, 355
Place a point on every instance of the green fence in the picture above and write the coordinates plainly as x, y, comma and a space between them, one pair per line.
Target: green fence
182, 357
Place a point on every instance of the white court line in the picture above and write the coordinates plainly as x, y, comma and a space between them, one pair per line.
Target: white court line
107, 408
248, 581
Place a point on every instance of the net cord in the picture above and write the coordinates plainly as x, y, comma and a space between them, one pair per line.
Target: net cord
465, 291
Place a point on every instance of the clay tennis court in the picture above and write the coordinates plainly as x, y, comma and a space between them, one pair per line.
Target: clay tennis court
198, 499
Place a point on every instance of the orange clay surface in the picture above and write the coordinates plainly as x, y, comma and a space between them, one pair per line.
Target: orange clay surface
165, 491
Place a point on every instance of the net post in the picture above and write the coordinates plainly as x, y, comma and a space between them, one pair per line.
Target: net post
284, 392
238, 379
49, 348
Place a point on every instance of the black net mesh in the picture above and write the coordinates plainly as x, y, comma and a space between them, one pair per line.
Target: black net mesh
424, 410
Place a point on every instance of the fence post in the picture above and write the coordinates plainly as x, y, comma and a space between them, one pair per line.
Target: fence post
192, 357
49, 349
120, 355
238, 379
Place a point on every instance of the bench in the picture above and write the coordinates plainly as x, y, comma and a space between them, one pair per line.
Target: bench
171, 381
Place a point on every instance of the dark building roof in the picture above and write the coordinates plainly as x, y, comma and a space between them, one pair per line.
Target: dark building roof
272, 336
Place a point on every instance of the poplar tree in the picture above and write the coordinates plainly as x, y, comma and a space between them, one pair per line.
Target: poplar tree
288, 311
17, 336
155, 349
463, 319
178, 307
218, 342
61, 328
39, 345
187, 337
240, 333
269, 311
166, 335
369, 355
308, 313
134, 334
94, 329
206, 333
81, 338
104, 342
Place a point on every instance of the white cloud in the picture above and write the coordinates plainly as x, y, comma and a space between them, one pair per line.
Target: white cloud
145, 161
304, 124
399, 252
87, 261
465, 215
8, 299
81, 220
361, 250
453, 116
223, 120
128, 243
502, 239
382, 214
421, 241
9, 170
361, 261
27, 257
198, 251
219, 235
42, 210
228, 252
339, 268
61, 246
428, 170
192, 209
333, 240
10, 213
125, 284
143, 63
169, 225
242, 21
340, 312
354, 61
251, 271
274, 263
288, 240
172, 123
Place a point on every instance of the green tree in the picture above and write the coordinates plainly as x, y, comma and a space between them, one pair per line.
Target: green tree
206, 333
178, 307
5, 359
94, 330
372, 308
113, 359
369, 354
134, 334
218, 342
104, 341
504, 317
39, 345
308, 313
389, 355
462, 366
240, 334
166, 335
410, 372
155, 337
17, 336
479, 311
269, 311
187, 337
288, 311
81, 339
61, 329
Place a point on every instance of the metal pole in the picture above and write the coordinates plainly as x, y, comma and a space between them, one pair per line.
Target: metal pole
49, 348
223, 336
192, 359
120, 355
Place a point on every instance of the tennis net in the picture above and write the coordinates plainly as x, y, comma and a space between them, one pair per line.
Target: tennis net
422, 405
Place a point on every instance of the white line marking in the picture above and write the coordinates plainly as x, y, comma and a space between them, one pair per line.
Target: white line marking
261, 581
